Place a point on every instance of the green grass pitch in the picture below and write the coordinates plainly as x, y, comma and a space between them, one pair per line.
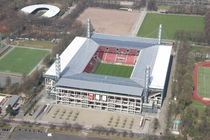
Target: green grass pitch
170, 24
21, 60
204, 81
114, 70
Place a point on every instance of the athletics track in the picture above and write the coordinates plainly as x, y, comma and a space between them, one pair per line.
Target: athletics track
195, 78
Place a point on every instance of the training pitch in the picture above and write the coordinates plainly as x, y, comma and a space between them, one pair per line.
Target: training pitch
21, 60
170, 23
114, 70
203, 81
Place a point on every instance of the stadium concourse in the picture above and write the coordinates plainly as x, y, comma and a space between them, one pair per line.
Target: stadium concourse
72, 79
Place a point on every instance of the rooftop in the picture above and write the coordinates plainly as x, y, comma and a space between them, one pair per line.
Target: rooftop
51, 9
78, 54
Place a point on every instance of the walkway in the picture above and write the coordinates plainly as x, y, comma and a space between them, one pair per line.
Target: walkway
137, 25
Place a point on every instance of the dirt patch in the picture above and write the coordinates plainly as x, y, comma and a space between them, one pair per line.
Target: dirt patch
110, 21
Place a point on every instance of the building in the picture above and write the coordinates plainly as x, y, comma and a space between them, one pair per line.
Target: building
6, 100
71, 79
51, 10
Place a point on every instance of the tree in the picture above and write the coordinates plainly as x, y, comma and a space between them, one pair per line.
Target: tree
207, 110
207, 26
8, 81
9, 110
156, 124
152, 5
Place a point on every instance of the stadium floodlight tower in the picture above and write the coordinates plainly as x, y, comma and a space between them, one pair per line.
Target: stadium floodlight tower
147, 81
89, 30
159, 34
57, 66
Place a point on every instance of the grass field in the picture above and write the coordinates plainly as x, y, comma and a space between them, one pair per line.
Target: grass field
200, 48
203, 81
114, 70
35, 44
170, 23
21, 60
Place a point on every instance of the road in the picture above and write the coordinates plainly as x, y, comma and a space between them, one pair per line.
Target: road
68, 11
34, 135
137, 25
164, 109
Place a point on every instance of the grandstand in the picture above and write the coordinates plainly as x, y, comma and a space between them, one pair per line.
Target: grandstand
72, 79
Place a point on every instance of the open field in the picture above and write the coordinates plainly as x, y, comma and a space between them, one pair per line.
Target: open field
21, 60
110, 21
170, 23
35, 44
203, 81
114, 70
201, 107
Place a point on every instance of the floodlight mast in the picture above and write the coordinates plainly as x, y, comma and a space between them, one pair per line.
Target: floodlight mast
146, 86
160, 34
88, 28
144, 97
57, 66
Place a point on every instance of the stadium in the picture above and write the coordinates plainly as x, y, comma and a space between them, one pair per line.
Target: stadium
112, 73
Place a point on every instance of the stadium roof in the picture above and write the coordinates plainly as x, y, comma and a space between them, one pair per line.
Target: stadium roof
52, 10
78, 54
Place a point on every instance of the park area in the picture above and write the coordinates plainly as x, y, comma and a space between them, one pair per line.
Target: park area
109, 21
114, 70
21, 60
170, 24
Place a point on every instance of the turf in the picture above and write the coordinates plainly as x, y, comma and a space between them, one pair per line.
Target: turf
114, 70
35, 44
203, 81
21, 60
170, 24
201, 107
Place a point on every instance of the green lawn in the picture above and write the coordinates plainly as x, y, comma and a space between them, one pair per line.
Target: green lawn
200, 48
114, 70
35, 44
21, 60
204, 82
170, 23
201, 107
163, 7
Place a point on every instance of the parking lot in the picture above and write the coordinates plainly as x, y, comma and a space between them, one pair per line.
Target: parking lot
3, 133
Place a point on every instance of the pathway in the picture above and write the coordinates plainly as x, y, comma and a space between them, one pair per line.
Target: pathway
137, 25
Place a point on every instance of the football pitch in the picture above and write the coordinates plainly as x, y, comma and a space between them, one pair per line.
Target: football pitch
21, 60
114, 70
204, 81
170, 24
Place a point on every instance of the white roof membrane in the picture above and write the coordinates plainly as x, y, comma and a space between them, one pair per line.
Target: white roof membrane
67, 55
160, 68
51, 12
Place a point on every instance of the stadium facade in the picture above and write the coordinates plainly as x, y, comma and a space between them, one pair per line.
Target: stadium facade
71, 79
